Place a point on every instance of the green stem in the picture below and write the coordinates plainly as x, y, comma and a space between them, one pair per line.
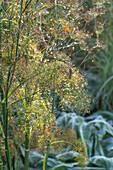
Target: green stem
27, 133
27, 141
46, 158
47, 153
18, 35
17, 43
1, 93
1, 162
28, 102
48, 146
7, 151
5, 128
4, 107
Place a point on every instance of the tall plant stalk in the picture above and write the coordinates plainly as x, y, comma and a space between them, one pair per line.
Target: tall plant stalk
1, 163
46, 158
27, 141
4, 96
27, 131
28, 103
4, 104
48, 145
13, 59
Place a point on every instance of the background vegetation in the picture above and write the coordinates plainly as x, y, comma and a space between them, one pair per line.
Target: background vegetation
56, 68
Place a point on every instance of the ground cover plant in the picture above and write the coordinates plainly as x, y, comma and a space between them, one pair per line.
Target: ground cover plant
96, 131
36, 39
